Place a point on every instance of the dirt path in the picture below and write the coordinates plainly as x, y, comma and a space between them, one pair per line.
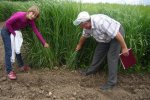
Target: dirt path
1, 24
1, 47
63, 84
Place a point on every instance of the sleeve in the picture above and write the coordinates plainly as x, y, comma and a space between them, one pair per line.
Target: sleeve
10, 22
38, 34
110, 27
85, 33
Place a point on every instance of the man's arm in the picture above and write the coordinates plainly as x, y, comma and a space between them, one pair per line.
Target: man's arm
120, 38
81, 42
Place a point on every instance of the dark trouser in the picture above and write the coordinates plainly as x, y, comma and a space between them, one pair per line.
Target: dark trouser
19, 60
112, 50
8, 52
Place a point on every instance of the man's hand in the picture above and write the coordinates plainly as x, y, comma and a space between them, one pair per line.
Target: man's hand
125, 52
81, 42
78, 47
46, 45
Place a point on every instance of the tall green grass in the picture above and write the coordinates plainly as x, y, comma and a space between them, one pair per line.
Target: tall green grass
55, 24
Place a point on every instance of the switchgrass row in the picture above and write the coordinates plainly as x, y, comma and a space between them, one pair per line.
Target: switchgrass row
55, 24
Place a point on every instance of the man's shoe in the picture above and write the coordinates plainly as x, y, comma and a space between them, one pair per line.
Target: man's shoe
25, 68
12, 75
83, 72
106, 87
87, 72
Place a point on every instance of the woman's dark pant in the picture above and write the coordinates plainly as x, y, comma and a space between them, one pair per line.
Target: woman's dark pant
8, 51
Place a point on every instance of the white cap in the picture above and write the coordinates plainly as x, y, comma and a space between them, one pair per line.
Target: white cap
82, 17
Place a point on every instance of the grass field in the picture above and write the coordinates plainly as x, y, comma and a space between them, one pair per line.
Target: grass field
55, 24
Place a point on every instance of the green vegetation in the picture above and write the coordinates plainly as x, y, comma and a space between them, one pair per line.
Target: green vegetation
55, 24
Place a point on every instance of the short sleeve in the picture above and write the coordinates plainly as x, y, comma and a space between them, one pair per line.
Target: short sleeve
86, 33
110, 27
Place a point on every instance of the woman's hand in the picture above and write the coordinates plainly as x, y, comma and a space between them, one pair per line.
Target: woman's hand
46, 45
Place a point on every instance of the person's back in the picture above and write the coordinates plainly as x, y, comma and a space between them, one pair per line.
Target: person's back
104, 20
103, 28
17, 21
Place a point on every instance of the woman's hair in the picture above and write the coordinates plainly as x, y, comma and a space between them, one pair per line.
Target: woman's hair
35, 10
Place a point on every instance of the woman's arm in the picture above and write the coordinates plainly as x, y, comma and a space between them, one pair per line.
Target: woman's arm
38, 34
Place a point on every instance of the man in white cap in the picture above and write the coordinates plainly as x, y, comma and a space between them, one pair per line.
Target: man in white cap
109, 36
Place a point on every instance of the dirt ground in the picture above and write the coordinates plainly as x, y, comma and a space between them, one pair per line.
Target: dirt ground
63, 84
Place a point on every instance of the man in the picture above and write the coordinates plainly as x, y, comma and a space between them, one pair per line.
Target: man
109, 36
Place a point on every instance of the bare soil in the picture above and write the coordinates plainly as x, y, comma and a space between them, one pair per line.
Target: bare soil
63, 84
